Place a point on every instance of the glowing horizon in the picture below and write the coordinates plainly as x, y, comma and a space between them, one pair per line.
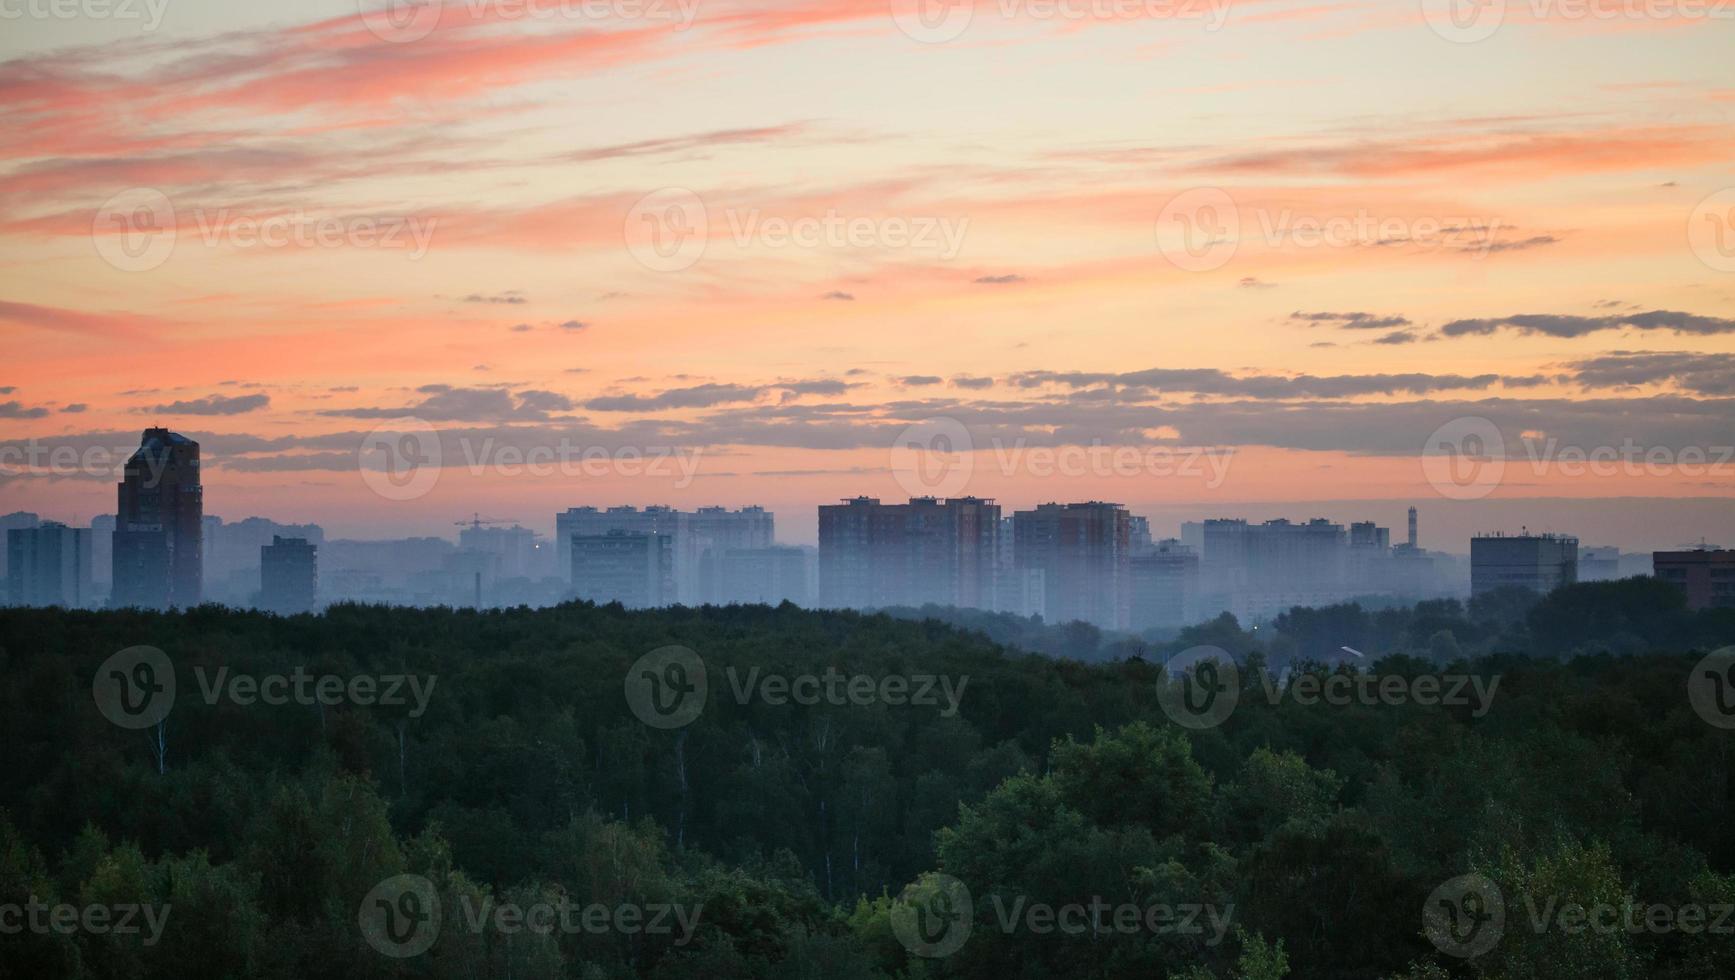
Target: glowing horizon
1307, 238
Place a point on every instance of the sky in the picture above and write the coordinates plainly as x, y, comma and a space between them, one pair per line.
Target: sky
393, 265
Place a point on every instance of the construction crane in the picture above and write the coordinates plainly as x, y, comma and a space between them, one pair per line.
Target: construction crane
477, 521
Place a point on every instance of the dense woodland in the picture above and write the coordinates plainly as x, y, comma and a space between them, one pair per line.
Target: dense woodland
1324, 828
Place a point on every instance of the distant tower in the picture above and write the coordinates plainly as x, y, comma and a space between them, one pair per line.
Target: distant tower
288, 575
1412, 529
159, 527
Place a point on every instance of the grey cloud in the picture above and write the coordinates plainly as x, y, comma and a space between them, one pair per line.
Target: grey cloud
823, 386
1005, 280
1563, 325
918, 380
215, 405
448, 404
1210, 381
14, 410
973, 382
1536, 241
1706, 374
697, 396
1352, 321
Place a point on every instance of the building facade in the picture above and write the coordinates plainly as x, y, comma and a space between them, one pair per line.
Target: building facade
158, 554
762, 576
1083, 551
289, 575
1538, 562
1165, 586
632, 568
874, 555
49, 565
697, 539
1706, 576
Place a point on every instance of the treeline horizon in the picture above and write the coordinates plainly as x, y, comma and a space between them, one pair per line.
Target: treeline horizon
1058, 778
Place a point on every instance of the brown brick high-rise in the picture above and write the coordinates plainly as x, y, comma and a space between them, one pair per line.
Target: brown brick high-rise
159, 527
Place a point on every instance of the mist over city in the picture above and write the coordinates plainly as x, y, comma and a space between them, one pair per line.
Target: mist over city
867, 489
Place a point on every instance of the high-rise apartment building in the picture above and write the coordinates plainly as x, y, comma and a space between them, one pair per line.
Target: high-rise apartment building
696, 539
158, 536
1165, 586
1083, 551
762, 576
48, 565
713, 533
288, 575
232, 549
1538, 562
17, 519
515, 546
633, 568
1706, 575
1599, 564
874, 555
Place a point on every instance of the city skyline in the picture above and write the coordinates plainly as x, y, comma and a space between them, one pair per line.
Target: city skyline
1302, 233
1090, 561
